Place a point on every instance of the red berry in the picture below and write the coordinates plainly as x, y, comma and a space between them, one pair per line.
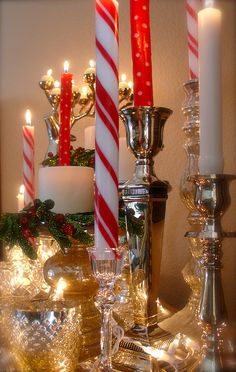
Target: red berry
60, 218
91, 162
27, 233
50, 154
32, 211
23, 220
68, 229
71, 147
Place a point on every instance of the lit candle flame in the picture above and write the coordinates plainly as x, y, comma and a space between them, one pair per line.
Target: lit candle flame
56, 84
123, 77
91, 63
49, 73
66, 66
21, 189
28, 117
209, 3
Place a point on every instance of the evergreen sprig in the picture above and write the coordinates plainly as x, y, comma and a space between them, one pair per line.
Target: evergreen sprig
22, 228
78, 157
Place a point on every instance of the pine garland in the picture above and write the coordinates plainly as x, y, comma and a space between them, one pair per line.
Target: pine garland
24, 227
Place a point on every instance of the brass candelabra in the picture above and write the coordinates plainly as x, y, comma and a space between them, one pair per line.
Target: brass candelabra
83, 102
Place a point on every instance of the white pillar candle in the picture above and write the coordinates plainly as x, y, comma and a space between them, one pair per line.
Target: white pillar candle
211, 152
89, 137
71, 188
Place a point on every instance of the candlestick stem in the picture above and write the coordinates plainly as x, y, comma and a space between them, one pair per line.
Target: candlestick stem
211, 200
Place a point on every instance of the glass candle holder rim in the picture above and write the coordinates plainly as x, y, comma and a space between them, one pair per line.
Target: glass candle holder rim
105, 253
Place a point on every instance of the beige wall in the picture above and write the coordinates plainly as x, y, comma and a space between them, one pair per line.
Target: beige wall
38, 34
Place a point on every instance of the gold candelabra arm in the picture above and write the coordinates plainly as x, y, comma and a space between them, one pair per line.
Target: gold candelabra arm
81, 115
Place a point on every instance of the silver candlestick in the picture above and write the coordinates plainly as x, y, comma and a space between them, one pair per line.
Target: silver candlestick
211, 200
144, 199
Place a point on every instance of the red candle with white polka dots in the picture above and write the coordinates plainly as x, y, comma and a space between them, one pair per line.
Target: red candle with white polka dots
65, 115
141, 52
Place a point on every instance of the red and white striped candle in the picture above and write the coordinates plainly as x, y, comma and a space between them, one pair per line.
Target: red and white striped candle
28, 159
141, 52
65, 116
192, 9
107, 125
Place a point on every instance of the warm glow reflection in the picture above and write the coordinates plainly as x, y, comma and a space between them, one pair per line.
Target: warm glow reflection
49, 73
130, 84
56, 84
28, 117
66, 66
84, 90
91, 63
61, 285
123, 77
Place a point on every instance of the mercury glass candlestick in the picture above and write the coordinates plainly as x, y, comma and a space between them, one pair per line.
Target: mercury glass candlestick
212, 198
192, 271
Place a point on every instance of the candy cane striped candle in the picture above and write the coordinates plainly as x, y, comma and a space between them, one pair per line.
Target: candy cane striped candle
107, 125
192, 9
28, 159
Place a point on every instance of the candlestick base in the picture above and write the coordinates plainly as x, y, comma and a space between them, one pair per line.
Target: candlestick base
211, 200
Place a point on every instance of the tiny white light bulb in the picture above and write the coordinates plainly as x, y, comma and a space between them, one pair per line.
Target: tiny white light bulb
49, 72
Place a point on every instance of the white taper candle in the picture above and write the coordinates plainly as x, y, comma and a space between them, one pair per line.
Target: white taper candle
209, 37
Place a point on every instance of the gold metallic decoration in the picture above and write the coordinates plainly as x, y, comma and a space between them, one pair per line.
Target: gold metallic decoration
211, 200
27, 297
44, 336
74, 269
83, 103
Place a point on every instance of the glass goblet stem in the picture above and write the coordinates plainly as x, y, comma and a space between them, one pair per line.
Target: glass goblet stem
106, 337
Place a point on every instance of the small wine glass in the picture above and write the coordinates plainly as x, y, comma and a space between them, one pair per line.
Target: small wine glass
106, 267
